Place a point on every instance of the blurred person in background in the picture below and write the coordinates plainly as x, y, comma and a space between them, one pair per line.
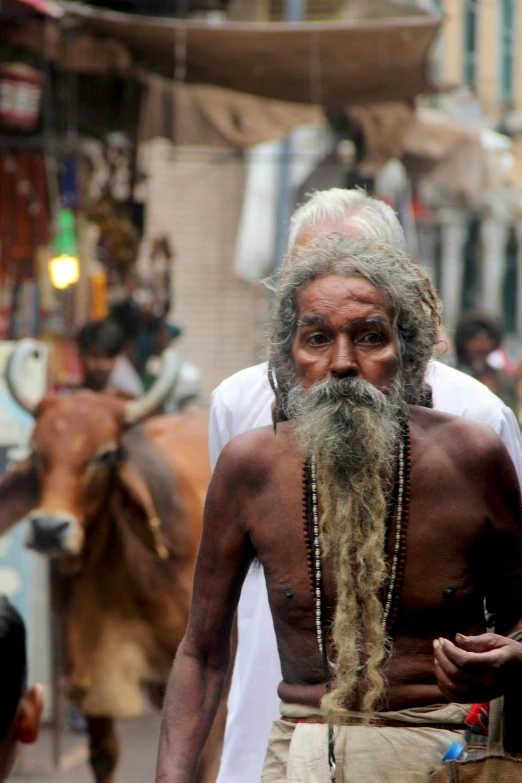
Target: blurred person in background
20, 707
143, 318
105, 366
478, 345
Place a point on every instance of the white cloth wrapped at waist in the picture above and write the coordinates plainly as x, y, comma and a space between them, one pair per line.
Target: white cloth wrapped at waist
406, 752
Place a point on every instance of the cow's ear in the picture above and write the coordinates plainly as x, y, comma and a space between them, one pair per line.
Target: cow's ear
137, 511
19, 490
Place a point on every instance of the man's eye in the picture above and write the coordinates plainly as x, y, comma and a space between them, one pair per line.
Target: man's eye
372, 338
317, 339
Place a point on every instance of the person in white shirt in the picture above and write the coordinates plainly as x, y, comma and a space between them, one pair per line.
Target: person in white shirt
244, 402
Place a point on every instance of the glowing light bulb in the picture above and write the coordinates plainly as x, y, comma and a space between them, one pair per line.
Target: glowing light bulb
64, 271
64, 268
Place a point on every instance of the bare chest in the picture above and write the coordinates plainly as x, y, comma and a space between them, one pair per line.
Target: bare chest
441, 581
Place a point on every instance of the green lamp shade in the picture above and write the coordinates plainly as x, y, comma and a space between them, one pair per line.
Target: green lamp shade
65, 240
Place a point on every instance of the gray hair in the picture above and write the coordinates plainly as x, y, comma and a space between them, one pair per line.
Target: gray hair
408, 292
371, 217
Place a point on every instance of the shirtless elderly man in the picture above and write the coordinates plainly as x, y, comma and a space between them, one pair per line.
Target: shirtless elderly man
346, 503
244, 401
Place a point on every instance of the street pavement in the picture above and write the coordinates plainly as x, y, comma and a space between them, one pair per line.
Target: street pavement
137, 765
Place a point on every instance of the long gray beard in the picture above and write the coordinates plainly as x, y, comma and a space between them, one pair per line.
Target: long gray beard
353, 431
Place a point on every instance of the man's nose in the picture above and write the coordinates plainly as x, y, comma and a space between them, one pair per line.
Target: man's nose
343, 363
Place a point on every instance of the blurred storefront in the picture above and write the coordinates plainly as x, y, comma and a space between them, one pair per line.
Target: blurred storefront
189, 150
189, 158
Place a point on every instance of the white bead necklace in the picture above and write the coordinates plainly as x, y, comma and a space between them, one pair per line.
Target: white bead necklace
317, 550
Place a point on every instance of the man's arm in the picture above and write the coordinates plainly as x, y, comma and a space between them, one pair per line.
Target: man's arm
503, 545
480, 668
200, 667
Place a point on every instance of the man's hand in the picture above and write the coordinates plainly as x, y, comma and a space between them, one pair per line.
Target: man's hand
476, 668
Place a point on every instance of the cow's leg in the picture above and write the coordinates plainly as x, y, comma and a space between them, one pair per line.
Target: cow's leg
104, 748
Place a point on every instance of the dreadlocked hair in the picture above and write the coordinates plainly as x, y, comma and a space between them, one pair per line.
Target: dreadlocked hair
408, 292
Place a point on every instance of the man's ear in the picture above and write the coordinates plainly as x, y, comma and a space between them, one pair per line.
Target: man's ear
30, 715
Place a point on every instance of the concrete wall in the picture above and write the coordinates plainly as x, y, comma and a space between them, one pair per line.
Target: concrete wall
195, 197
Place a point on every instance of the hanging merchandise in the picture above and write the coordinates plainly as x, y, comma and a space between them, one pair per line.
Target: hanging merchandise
161, 260
6, 295
99, 305
20, 96
24, 316
69, 183
64, 269
24, 207
107, 202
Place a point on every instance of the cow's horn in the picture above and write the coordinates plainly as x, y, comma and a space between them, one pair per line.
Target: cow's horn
23, 350
136, 410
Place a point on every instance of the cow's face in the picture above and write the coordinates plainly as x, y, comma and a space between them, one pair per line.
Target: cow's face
75, 448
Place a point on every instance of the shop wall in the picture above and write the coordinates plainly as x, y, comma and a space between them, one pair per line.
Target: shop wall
517, 154
194, 197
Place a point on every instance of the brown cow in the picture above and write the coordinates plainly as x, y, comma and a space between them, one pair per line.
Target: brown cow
121, 504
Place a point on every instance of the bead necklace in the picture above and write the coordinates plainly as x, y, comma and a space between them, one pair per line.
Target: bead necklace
391, 603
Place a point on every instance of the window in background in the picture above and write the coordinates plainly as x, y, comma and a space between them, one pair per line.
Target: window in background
510, 287
470, 41
471, 275
507, 51
437, 55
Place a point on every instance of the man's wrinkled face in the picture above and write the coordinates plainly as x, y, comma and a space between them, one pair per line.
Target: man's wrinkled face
344, 331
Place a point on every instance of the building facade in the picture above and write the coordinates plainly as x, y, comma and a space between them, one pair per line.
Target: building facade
473, 247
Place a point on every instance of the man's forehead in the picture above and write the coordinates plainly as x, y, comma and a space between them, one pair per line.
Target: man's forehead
336, 293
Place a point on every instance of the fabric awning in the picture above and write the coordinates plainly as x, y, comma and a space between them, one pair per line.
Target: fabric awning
327, 64
447, 156
45, 7
208, 116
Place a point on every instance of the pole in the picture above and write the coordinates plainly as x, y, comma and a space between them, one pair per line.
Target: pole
295, 11
57, 669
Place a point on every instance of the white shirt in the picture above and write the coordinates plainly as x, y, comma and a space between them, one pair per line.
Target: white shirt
241, 403
125, 377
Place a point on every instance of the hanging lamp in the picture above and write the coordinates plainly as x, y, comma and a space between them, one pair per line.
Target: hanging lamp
64, 268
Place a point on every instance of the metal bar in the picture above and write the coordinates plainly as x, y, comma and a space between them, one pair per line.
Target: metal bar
295, 11
57, 669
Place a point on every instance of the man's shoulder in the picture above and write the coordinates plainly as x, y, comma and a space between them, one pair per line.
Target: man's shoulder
461, 395
466, 439
251, 453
